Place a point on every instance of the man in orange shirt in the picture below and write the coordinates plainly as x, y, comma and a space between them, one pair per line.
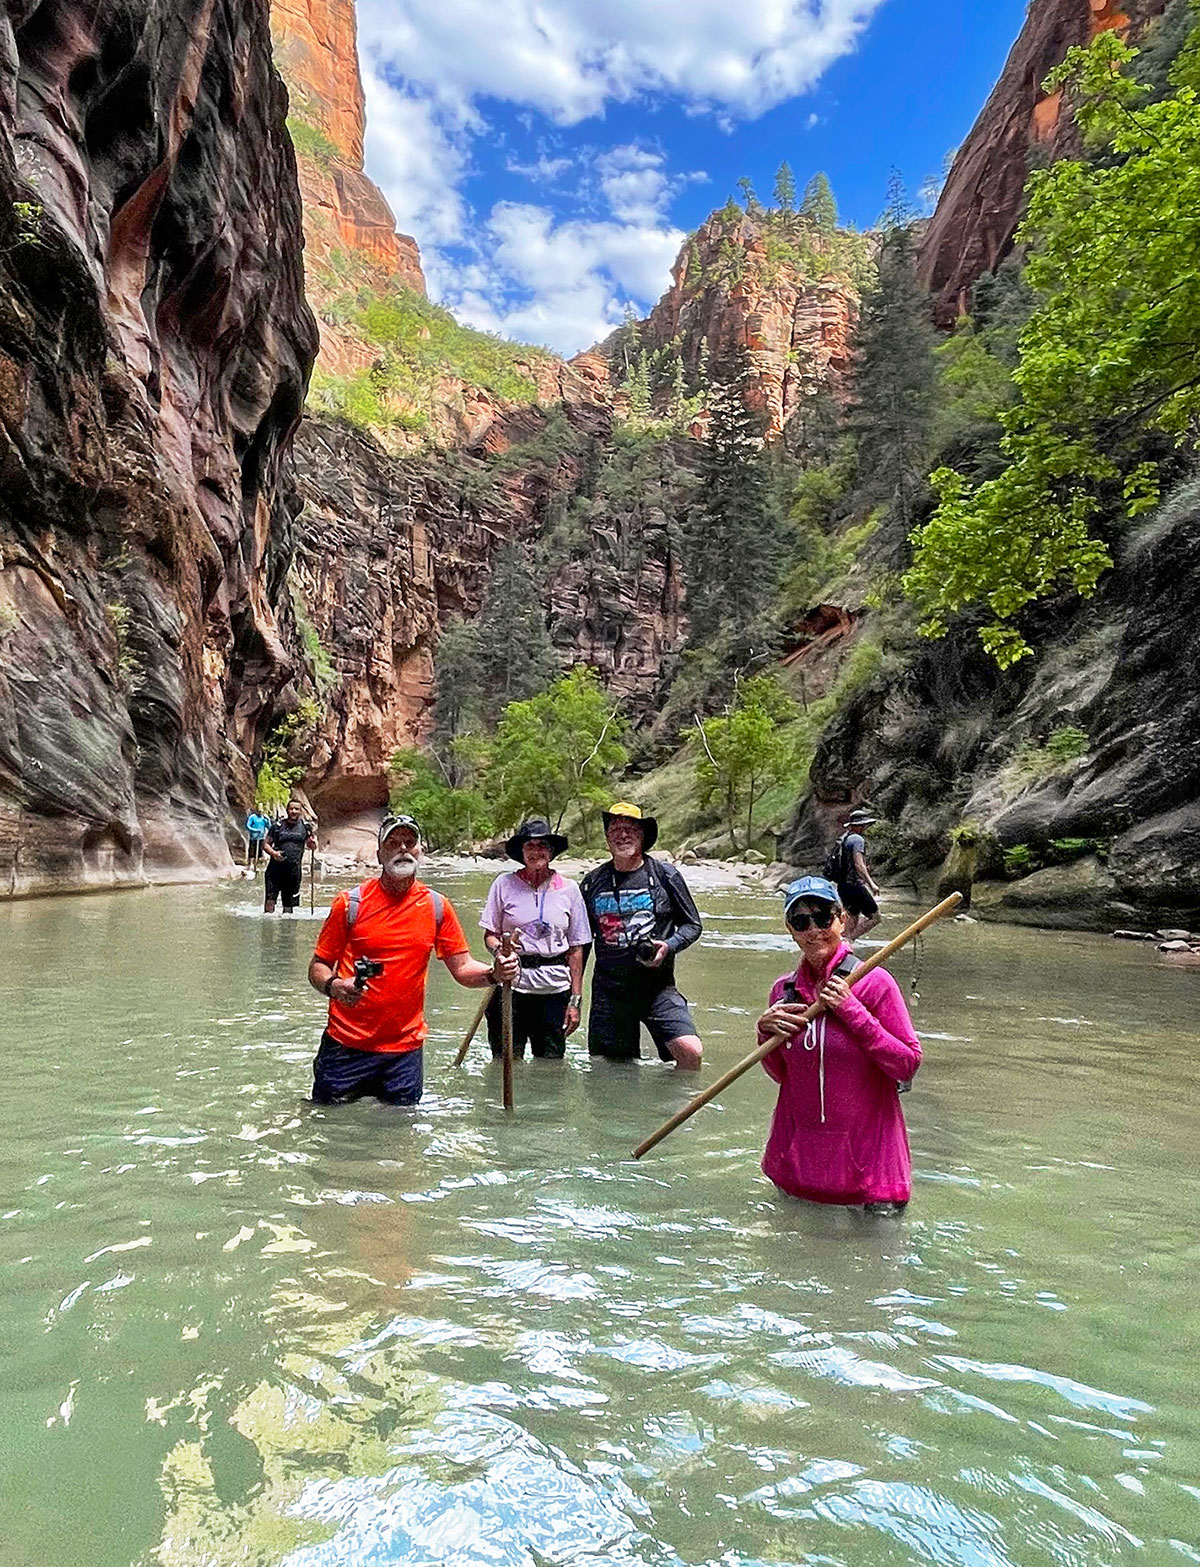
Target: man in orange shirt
373, 1039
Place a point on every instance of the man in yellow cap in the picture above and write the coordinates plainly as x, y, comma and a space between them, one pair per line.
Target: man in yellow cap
641, 914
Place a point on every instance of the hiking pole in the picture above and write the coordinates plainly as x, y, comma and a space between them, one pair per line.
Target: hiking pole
312, 880
506, 1028
947, 906
474, 1028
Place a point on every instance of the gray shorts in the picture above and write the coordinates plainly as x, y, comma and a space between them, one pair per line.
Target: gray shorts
622, 1003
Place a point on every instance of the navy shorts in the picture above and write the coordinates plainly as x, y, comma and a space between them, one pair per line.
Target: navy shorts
857, 900
621, 1005
540, 1019
283, 878
341, 1075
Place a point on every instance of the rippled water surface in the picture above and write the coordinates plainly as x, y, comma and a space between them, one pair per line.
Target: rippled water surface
238, 1329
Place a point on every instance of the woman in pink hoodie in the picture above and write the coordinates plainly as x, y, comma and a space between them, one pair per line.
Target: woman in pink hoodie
838, 1134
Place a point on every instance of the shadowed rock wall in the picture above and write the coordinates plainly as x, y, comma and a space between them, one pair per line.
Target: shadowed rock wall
154, 351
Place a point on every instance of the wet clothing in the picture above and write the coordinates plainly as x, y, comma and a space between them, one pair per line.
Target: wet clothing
838, 1135
651, 903
341, 1075
539, 1019
291, 840
403, 934
620, 1007
857, 900
283, 881
550, 918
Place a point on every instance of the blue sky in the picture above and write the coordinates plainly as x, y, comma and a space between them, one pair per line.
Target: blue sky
549, 155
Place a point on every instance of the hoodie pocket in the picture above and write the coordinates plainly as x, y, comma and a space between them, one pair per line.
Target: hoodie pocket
829, 1162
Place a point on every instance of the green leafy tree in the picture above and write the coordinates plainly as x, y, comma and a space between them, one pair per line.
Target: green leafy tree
818, 204
1107, 357
515, 656
450, 818
974, 386
745, 751
894, 391
559, 749
785, 188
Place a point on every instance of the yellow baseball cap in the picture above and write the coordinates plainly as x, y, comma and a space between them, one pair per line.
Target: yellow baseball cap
633, 813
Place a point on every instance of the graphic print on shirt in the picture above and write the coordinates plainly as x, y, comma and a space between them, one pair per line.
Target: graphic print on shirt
625, 915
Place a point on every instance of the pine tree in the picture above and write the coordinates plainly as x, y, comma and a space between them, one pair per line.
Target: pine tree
895, 375
514, 652
785, 188
751, 201
733, 543
818, 205
455, 682
637, 384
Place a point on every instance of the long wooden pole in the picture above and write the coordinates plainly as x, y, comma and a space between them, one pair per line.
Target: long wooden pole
312, 880
474, 1028
947, 906
506, 1028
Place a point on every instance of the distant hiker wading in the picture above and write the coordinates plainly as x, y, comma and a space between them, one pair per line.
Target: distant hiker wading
846, 866
642, 916
285, 844
371, 960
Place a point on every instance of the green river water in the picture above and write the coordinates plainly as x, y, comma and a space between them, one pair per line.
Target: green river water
239, 1329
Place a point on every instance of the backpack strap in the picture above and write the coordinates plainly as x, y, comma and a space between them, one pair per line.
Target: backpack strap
439, 908
352, 903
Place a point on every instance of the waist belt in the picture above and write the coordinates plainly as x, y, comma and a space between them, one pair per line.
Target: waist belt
542, 960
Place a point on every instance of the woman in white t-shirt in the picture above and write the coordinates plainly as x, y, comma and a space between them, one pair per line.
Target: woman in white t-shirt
545, 912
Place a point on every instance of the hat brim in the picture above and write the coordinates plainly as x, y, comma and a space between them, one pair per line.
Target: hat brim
517, 842
648, 824
809, 897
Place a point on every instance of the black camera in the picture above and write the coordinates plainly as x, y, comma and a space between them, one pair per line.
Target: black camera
646, 951
365, 969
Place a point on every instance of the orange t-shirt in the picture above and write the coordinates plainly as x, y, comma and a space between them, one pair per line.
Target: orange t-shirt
401, 933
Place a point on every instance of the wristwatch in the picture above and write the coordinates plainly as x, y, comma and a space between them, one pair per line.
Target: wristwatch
327, 987
575, 1001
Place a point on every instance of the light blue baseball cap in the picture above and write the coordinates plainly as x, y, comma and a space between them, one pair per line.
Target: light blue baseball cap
808, 887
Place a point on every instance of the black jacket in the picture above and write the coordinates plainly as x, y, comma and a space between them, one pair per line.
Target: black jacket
676, 920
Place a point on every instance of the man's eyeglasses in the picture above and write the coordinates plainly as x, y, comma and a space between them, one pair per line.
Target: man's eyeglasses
801, 919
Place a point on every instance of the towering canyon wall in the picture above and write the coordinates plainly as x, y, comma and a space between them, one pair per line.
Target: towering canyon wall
981, 205
154, 351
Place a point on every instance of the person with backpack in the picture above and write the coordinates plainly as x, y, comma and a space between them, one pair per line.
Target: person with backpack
642, 916
838, 1134
371, 960
846, 866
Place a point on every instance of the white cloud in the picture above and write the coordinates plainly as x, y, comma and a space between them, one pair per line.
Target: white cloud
563, 284
428, 65
569, 58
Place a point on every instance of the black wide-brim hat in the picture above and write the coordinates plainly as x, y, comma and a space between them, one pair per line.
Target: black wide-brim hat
535, 827
633, 813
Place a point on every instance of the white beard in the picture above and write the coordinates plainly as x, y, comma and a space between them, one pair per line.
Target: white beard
400, 867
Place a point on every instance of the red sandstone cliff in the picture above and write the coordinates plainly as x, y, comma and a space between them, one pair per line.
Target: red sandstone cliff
981, 204
156, 347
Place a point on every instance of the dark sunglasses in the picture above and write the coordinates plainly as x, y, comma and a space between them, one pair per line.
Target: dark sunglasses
801, 919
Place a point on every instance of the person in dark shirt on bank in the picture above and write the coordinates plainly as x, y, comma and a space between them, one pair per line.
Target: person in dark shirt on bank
642, 915
285, 845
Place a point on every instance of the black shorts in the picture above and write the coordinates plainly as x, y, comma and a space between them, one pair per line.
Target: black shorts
620, 1006
342, 1074
856, 899
540, 1019
283, 881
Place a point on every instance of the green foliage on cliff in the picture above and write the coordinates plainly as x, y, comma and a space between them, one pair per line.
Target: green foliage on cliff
310, 141
1107, 356
744, 751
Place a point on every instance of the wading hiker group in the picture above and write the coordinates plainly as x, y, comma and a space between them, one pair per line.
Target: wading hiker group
835, 1036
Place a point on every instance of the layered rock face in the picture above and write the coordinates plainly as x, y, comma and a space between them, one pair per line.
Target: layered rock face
155, 351
981, 205
740, 289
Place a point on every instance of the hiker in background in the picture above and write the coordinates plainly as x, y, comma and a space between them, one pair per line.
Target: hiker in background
371, 960
846, 865
837, 1135
641, 915
257, 827
546, 913
285, 844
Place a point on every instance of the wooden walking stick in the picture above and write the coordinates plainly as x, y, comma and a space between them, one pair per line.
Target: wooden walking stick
474, 1028
312, 880
947, 906
506, 1028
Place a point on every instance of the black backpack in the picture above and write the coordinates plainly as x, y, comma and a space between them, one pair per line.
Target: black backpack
833, 868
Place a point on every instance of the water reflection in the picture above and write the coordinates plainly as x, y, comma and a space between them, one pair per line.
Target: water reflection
251, 1331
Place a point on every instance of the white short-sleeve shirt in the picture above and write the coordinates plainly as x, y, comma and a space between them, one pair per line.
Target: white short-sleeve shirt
550, 918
